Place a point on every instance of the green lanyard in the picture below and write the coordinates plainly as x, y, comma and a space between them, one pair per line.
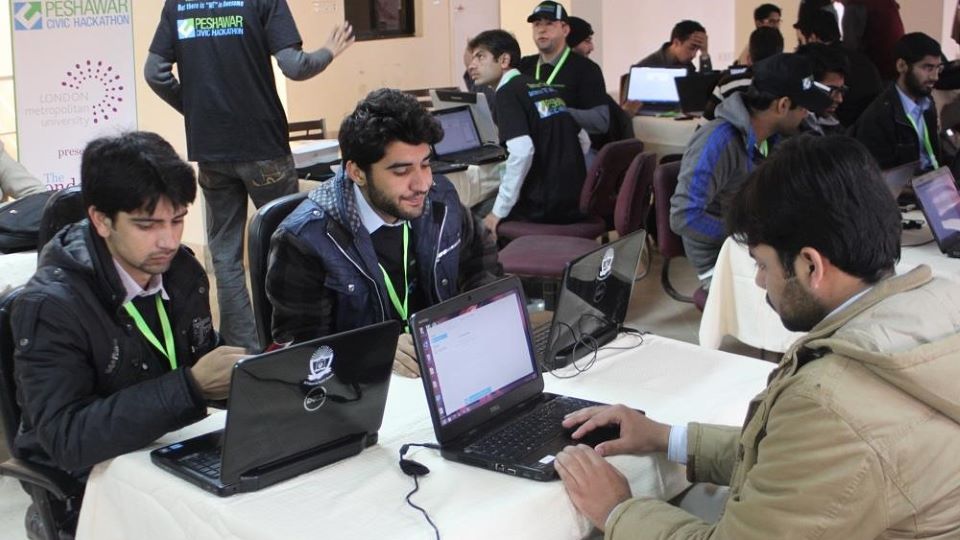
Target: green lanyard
563, 60
764, 148
926, 140
170, 352
391, 290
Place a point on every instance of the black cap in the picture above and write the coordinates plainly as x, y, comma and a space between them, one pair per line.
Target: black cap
551, 11
791, 75
579, 31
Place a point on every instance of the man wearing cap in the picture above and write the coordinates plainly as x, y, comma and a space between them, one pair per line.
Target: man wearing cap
830, 69
900, 125
721, 153
577, 78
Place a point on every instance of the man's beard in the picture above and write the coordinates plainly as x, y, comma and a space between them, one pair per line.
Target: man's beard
799, 310
380, 200
914, 86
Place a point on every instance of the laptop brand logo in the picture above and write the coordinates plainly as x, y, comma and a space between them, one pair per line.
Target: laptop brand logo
320, 366
315, 399
606, 265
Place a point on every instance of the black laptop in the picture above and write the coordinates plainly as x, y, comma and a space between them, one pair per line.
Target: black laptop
938, 197
592, 305
291, 411
484, 388
695, 90
461, 142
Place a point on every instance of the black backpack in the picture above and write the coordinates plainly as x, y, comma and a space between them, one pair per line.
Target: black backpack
20, 222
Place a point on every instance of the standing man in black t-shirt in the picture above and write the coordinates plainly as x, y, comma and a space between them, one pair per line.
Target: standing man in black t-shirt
236, 127
577, 78
545, 170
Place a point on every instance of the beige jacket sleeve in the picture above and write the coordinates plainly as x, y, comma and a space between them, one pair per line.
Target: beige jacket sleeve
815, 478
15, 181
711, 452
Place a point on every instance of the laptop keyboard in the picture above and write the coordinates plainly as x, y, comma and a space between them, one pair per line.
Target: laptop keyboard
528, 432
541, 334
205, 463
476, 155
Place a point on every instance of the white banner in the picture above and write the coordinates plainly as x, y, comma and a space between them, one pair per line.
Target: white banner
74, 73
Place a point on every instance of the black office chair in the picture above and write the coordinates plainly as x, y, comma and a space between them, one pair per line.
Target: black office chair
49, 488
262, 226
63, 208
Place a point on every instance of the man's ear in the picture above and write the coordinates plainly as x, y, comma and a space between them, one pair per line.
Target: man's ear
565, 28
356, 174
100, 221
504, 61
902, 66
810, 266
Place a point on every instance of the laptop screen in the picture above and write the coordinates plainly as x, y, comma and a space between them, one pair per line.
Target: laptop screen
898, 177
940, 200
477, 354
459, 131
654, 85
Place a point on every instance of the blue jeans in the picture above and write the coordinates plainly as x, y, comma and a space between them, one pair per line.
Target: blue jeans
226, 186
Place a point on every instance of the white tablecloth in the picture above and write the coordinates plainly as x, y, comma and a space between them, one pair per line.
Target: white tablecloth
363, 496
737, 307
664, 135
477, 182
18, 268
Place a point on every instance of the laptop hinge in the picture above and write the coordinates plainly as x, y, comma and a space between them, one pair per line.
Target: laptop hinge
280, 470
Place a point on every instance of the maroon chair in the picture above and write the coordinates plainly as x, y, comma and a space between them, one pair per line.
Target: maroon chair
546, 256
598, 197
669, 243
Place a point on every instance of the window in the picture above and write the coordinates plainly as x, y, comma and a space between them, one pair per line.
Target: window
380, 19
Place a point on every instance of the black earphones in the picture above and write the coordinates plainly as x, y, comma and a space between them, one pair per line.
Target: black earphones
416, 469
413, 468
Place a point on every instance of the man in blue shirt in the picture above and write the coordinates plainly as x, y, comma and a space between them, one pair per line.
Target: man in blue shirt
900, 126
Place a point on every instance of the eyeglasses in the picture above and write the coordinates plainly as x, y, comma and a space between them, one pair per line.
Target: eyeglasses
836, 91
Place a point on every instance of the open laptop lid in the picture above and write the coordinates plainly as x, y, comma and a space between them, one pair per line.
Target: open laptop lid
898, 177
293, 400
595, 293
476, 357
477, 101
937, 193
459, 131
654, 86
695, 89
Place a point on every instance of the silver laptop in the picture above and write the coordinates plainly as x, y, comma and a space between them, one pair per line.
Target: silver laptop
461, 141
655, 87
477, 101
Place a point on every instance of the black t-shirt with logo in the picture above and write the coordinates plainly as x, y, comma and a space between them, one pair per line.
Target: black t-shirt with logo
231, 107
579, 81
551, 190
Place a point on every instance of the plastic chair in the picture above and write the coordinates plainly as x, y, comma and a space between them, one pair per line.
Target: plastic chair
669, 243
598, 197
49, 488
546, 257
262, 226
63, 208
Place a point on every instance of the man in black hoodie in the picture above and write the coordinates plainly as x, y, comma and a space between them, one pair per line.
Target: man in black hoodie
114, 340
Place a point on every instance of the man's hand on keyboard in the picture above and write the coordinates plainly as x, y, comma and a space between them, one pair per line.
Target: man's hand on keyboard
638, 434
594, 485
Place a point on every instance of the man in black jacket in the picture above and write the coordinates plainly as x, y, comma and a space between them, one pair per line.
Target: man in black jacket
900, 126
114, 340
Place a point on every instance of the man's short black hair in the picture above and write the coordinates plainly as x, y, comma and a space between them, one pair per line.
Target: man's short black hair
385, 116
684, 29
821, 192
764, 43
825, 59
132, 171
916, 46
765, 10
821, 22
498, 42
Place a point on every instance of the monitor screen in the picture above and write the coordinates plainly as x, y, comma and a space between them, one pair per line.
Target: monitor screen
459, 131
941, 203
654, 85
477, 354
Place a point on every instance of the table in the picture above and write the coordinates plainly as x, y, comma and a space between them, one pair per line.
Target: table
737, 307
664, 134
477, 182
18, 268
363, 496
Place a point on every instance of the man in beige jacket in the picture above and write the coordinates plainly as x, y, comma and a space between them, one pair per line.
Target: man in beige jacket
15, 181
857, 435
